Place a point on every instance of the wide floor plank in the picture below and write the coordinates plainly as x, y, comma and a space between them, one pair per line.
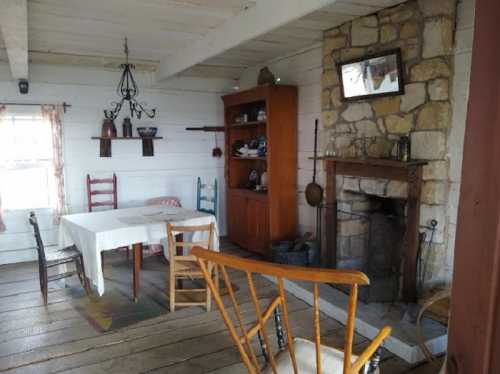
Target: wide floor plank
58, 339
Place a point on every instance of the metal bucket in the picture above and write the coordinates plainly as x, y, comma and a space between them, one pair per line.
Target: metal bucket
283, 254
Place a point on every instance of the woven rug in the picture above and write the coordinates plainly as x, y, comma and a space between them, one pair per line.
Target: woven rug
115, 308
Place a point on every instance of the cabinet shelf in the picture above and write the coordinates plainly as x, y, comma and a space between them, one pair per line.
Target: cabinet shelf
248, 124
248, 158
105, 144
247, 191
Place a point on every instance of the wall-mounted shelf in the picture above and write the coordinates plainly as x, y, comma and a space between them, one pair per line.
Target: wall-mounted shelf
147, 144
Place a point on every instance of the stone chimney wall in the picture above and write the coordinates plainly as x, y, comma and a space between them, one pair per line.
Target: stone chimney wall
424, 30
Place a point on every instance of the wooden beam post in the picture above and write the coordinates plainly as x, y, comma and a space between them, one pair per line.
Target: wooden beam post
474, 332
14, 27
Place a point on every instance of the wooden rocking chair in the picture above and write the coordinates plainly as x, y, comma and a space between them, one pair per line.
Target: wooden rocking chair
300, 355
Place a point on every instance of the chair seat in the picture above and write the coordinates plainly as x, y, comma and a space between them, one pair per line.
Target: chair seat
62, 255
187, 267
332, 360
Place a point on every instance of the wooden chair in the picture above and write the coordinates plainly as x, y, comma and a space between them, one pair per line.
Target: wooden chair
168, 201
204, 198
92, 192
54, 259
111, 191
301, 355
185, 266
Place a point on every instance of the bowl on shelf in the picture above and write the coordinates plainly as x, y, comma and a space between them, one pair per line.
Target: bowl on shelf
147, 132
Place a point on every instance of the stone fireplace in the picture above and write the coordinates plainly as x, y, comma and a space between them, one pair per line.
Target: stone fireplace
372, 218
424, 31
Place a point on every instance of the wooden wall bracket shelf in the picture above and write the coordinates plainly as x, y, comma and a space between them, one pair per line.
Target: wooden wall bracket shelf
147, 144
410, 172
206, 128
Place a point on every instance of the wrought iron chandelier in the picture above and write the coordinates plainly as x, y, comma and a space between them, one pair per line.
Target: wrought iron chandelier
128, 90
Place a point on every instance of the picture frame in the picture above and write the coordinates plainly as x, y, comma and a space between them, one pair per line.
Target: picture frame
371, 76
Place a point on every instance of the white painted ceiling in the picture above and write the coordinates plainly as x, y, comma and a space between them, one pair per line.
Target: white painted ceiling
287, 39
92, 31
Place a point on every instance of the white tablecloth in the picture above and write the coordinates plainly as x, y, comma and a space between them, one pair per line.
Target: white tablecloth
95, 232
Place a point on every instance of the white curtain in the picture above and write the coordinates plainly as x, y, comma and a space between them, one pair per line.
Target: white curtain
54, 114
2, 224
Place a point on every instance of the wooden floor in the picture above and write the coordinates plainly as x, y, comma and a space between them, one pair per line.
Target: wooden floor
57, 338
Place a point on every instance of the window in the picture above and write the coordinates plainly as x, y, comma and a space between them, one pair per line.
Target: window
26, 162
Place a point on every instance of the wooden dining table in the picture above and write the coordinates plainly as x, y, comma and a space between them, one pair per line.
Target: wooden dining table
95, 232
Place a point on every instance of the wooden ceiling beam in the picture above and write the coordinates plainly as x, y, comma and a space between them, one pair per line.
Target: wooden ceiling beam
14, 27
265, 16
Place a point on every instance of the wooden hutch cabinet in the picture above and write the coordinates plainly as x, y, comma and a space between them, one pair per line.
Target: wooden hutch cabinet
255, 218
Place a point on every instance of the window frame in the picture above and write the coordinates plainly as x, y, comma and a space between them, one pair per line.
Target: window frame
45, 162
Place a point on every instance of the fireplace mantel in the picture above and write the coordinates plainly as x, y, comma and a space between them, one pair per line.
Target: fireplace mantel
373, 167
410, 172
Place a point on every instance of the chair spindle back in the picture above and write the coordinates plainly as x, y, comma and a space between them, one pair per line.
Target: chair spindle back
317, 276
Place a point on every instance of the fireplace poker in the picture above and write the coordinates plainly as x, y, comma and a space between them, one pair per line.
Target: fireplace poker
423, 263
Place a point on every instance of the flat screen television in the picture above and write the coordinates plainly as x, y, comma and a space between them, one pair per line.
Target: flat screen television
372, 76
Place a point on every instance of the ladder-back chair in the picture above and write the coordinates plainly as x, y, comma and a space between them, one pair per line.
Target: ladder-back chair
301, 355
207, 197
93, 191
185, 266
111, 191
50, 260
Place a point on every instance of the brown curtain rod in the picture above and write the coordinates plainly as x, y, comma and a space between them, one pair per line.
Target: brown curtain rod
64, 104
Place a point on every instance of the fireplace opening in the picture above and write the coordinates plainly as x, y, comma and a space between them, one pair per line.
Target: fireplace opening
371, 233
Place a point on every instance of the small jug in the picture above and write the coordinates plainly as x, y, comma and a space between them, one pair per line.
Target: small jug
127, 127
404, 148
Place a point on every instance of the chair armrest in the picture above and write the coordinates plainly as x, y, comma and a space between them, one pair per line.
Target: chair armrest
370, 350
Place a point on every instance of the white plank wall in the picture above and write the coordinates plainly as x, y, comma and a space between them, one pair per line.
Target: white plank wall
302, 69
179, 158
